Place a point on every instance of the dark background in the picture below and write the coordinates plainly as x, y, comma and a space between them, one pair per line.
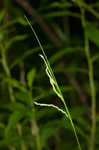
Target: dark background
69, 33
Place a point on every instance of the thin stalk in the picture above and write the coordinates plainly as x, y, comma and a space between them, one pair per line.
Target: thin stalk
92, 84
34, 127
10, 89
35, 131
54, 83
69, 116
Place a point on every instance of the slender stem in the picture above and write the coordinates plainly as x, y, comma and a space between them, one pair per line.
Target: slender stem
53, 82
92, 85
10, 89
34, 127
70, 118
35, 132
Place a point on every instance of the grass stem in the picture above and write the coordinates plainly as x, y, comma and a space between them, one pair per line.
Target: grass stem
10, 89
54, 83
92, 85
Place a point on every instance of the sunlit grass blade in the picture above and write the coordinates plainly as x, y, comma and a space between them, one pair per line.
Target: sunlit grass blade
54, 84
53, 106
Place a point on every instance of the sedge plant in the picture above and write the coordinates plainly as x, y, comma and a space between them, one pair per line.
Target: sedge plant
55, 87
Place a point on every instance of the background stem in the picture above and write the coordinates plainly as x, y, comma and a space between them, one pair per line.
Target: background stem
10, 89
92, 85
34, 126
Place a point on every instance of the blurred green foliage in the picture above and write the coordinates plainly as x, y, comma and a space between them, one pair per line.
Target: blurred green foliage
63, 27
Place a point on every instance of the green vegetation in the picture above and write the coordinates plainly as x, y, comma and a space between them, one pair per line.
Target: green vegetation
55, 112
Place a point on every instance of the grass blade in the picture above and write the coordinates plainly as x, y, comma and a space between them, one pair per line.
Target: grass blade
54, 83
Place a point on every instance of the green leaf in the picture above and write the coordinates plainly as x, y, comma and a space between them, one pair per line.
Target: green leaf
27, 54
95, 57
72, 69
30, 77
15, 39
92, 32
2, 13
13, 120
60, 14
2, 125
24, 97
64, 52
21, 21
15, 107
61, 5
2, 33
10, 141
14, 83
